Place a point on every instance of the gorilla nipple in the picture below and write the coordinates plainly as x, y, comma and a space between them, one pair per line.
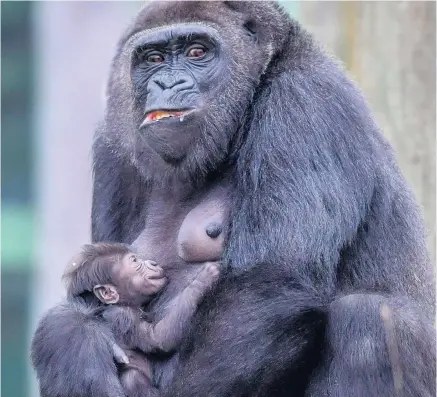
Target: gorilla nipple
213, 230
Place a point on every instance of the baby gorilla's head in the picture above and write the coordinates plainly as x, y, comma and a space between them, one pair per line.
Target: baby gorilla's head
113, 274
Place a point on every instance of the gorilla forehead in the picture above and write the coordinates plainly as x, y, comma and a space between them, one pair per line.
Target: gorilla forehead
160, 13
228, 14
163, 35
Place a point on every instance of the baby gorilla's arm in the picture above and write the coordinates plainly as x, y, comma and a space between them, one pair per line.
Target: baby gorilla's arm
166, 334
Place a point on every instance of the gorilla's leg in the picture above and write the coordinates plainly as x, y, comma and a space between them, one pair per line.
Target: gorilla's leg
136, 384
262, 333
377, 346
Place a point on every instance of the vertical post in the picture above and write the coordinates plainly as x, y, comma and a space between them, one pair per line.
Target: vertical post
74, 43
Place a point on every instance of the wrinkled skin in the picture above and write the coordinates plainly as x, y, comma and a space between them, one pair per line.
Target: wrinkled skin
327, 276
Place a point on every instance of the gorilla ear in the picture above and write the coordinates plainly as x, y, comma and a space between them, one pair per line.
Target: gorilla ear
251, 28
106, 293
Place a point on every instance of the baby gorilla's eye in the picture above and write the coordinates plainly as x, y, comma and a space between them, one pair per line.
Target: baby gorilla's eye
196, 52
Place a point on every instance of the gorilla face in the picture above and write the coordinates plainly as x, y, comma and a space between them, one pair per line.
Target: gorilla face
174, 72
190, 83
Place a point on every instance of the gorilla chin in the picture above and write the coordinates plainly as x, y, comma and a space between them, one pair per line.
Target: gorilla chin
171, 133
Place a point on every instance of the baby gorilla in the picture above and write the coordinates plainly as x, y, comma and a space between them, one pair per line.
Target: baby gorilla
105, 275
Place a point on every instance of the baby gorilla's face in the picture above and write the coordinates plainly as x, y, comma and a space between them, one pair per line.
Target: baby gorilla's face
140, 279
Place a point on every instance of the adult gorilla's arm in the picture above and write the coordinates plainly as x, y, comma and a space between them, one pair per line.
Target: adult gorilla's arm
74, 353
105, 222
321, 198
70, 350
117, 199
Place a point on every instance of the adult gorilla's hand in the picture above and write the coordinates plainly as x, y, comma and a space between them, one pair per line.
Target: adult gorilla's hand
75, 354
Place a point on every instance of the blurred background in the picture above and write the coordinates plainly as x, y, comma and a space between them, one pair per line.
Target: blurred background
55, 58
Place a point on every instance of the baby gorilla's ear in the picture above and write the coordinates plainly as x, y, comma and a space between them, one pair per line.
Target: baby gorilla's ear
106, 293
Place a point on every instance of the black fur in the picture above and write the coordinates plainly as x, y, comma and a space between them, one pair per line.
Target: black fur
70, 348
324, 237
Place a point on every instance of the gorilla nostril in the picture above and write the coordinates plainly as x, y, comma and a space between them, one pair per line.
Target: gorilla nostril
179, 82
160, 84
213, 230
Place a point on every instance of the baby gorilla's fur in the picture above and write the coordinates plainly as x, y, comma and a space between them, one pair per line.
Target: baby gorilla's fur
114, 280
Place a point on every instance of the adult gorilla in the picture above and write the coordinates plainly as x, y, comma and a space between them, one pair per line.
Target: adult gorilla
328, 289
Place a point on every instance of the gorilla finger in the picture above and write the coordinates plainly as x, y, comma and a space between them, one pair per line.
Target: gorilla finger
119, 355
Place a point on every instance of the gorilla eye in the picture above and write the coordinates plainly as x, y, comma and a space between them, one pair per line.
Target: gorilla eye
155, 58
133, 259
196, 52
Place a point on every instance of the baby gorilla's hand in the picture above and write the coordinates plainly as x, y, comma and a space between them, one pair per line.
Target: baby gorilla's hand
209, 273
121, 318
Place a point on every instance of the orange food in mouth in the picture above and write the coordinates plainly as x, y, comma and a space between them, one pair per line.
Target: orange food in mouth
161, 114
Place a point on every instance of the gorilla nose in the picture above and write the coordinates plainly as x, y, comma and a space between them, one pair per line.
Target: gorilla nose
152, 265
170, 82
214, 230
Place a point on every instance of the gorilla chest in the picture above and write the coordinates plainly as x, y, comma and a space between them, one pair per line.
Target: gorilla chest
184, 231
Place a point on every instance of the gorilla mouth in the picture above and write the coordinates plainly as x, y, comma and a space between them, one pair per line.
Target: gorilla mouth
157, 115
